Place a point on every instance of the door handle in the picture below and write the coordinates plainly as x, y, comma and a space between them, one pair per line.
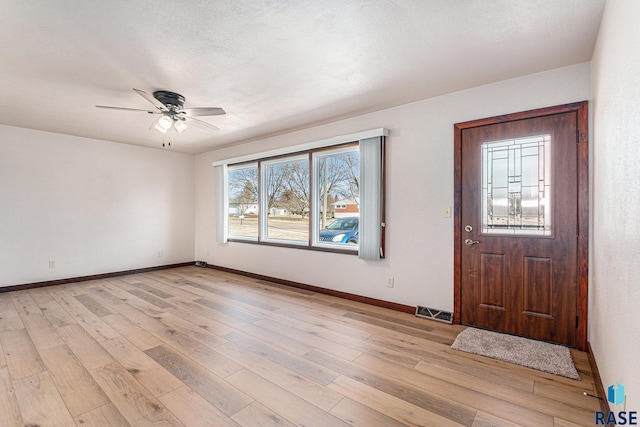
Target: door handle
470, 242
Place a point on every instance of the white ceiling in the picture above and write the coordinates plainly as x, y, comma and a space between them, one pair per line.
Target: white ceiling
273, 65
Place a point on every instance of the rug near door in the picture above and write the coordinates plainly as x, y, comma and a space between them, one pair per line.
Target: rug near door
546, 357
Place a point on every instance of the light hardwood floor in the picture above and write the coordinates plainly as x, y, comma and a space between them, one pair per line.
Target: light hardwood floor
199, 347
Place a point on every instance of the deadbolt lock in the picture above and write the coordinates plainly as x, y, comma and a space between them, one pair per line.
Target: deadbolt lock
468, 228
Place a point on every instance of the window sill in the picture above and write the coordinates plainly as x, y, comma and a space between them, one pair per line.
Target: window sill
295, 246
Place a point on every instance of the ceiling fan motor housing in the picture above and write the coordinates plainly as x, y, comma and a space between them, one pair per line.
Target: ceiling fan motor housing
172, 100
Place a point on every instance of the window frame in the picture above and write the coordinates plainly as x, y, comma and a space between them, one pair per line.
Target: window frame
264, 218
234, 167
310, 243
314, 236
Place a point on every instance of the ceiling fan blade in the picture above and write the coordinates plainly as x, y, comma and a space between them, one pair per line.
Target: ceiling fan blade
159, 105
127, 109
201, 123
153, 124
204, 111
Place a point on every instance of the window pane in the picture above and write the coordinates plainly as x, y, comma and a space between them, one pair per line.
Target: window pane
243, 202
287, 199
516, 186
338, 197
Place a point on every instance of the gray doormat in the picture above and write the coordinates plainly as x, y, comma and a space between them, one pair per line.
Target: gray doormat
552, 358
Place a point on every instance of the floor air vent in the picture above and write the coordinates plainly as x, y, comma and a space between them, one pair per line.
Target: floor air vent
434, 314
201, 264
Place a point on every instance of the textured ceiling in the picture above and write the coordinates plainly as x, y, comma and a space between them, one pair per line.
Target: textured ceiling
274, 66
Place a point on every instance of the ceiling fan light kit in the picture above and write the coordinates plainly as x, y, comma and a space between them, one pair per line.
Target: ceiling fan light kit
180, 125
164, 123
170, 106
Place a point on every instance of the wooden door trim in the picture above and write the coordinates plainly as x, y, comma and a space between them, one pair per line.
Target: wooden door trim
581, 109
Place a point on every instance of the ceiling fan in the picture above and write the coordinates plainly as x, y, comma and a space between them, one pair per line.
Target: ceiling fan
169, 106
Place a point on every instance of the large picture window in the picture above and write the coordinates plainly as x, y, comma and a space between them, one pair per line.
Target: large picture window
326, 198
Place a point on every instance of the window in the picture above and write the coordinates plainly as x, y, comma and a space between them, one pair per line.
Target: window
324, 197
285, 195
516, 186
336, 190
243, 201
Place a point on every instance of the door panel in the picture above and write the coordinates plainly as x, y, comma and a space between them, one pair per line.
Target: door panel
538, 289
518, 195
492, 281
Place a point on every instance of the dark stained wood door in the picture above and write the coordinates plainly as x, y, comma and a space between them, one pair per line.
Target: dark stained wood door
519, 227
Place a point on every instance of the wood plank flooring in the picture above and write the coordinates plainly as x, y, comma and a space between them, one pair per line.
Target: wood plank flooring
198, 347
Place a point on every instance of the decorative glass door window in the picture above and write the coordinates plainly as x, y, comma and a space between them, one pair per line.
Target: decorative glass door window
516, 186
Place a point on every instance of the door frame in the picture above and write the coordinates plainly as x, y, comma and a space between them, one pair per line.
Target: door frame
582, 127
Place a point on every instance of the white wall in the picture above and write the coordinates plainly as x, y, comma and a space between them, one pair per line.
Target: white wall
615, 302
419, 250
91, 206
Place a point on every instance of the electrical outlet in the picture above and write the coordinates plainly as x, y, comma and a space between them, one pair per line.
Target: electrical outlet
159, 254
390, 282
52, 264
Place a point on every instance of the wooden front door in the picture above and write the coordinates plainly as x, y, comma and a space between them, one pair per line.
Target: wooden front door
518, 224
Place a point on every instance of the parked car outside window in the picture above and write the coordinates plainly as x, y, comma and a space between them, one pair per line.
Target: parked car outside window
342, 230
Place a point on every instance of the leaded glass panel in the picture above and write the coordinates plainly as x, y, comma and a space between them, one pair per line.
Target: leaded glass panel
516, 186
